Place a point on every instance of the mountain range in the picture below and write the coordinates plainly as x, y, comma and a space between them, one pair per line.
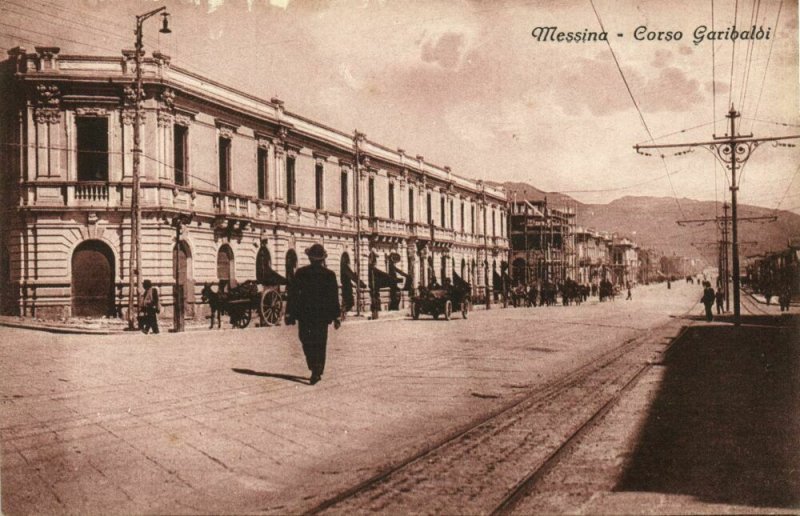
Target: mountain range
652, 222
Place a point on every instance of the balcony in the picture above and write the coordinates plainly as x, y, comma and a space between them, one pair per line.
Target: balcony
91, 193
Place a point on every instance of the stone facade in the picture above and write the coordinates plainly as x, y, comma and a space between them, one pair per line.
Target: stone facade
251, 182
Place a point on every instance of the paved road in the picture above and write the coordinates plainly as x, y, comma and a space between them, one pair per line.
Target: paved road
225, 421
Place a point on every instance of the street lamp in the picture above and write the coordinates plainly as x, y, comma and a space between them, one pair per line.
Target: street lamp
135, 262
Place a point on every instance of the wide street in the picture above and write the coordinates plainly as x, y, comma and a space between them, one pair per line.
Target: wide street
225, 421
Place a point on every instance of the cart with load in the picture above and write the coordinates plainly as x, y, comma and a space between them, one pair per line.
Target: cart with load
267, 298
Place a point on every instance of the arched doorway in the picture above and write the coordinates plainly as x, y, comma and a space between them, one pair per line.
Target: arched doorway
93, 280
182, 263
263, 264
225, 267
291, 264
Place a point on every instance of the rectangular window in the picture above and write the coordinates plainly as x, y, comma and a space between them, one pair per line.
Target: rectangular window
92, 148
494, 229
371, 196
224, 165
320, 182
344, 191
180, 158
290, 198
483, 212
442, 212
472, 219
263, 157
452, 222
410, 205
391, 201
430, 209
462, 216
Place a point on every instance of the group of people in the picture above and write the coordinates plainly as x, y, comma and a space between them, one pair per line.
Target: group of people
710, 298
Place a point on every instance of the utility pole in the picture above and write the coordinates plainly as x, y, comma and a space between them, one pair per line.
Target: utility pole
135, 260
723, 262
733, 151
357, 139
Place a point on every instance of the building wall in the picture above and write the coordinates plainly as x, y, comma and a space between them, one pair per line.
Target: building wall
50, 213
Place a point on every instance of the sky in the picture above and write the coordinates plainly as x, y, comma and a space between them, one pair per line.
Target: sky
464, 83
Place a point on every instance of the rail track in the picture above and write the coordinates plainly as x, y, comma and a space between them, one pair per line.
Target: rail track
492, 463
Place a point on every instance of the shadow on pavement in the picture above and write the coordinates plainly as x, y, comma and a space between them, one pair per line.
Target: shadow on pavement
289, 377
725, 424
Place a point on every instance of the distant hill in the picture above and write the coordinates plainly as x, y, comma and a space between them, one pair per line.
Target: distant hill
652, 222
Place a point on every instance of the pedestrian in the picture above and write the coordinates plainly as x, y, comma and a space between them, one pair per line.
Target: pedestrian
150, 308
708, 300
314, 304
785, 298
768, 294
630, 297
720, 296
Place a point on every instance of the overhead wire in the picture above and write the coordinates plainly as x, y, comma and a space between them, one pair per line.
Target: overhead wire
733, 54
748, 56
636, 105
766, 67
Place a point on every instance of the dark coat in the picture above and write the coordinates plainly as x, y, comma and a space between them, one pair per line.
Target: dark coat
313, 295
708, 296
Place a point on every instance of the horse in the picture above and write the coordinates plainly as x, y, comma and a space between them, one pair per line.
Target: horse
215, 302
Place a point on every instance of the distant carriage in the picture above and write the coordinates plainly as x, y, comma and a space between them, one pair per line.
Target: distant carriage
443, 300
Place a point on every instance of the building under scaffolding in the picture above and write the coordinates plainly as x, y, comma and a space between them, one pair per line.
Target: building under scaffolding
542, 242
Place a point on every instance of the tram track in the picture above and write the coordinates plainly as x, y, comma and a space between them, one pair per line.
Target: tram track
490, 464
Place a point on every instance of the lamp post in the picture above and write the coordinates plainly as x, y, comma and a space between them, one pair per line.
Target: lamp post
135, 260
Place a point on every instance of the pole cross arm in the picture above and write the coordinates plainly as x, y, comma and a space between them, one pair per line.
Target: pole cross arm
736, 140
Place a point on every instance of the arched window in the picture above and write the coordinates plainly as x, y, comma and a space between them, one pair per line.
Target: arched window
225, 267
263, 264
291, 264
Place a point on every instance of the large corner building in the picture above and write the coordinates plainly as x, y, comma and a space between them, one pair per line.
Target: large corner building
253, 183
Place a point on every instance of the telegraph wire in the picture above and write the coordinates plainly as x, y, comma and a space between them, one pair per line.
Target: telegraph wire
733, 54
784, 124
748, 56
638, 110
766, 68
59, 19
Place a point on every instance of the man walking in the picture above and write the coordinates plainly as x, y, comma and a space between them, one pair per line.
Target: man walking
314, 304
720, 296
708, 300
151, 306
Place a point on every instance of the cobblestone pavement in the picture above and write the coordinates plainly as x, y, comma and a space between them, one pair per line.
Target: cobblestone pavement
210, 421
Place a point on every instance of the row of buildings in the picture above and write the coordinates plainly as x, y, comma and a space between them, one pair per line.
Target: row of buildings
234, 188
547, 245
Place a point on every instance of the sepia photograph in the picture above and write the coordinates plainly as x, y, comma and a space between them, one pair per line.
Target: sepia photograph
452, 257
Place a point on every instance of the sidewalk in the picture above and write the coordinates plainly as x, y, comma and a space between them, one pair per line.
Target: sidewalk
113, 325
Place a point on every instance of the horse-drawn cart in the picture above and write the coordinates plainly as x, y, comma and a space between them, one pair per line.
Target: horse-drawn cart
265, 297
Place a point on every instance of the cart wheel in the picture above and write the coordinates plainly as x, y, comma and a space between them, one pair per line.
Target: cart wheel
243, 319
414, 311
464, 309
271, 306
448, 310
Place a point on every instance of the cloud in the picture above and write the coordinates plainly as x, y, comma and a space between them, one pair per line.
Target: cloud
595, 85
671, 90
446, 50
482, 125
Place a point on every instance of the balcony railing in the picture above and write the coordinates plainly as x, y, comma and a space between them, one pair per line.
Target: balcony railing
94, 192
